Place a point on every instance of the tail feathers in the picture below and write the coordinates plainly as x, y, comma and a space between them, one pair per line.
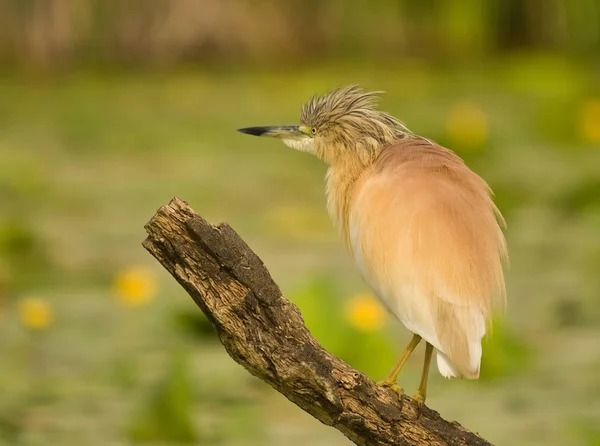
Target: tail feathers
448, 370
460, 355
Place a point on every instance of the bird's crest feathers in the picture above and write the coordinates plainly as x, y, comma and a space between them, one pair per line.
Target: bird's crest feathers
352, 114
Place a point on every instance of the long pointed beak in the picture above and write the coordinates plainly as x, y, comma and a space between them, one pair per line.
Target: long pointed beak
281, 131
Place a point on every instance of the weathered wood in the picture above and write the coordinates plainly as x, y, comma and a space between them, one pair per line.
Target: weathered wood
265, 333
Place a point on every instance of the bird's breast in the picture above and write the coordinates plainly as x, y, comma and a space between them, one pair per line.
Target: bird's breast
371, 237
381, 253
342, 187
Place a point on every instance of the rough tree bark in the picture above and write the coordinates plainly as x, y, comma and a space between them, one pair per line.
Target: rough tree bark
265, 333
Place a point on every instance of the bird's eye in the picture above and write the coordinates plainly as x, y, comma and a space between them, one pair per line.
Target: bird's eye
313, 130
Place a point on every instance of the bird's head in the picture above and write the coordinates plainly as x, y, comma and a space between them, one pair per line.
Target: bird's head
341, 124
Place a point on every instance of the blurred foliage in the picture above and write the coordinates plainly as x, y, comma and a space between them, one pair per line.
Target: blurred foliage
582, 197
570, 312
587, 432
350, 328
505, 353
467, 126
125, 373
11, 424
194, 323
166, 416
22, 253
60, 32
22, 249
319, 302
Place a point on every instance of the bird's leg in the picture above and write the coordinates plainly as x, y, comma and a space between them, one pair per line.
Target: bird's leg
390, 381
419, 397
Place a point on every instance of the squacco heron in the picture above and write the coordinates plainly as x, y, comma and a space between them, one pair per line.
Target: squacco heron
421, 226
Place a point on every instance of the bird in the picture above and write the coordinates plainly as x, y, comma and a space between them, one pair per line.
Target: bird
421, 226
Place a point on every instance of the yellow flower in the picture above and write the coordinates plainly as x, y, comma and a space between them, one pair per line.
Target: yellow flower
365, 313
35, 314
135, 286
589, 121
467, 125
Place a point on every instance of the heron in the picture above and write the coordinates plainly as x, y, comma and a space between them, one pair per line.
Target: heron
421, 226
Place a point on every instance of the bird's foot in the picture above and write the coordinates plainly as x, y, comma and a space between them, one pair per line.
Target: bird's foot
392, 385
419, 398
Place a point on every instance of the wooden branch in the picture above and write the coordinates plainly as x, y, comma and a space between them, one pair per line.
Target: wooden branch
265, 333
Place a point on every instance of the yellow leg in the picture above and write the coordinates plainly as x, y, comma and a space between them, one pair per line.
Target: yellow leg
390, 381
422, 390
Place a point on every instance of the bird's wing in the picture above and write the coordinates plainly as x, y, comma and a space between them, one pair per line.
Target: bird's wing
427, 235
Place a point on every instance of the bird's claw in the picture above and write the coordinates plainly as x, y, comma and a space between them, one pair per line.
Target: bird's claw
419, 398
392, 385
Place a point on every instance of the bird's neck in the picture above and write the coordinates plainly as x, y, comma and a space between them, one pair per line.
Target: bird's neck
341, 186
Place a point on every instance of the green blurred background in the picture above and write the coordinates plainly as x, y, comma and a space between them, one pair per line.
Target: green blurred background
110, 108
